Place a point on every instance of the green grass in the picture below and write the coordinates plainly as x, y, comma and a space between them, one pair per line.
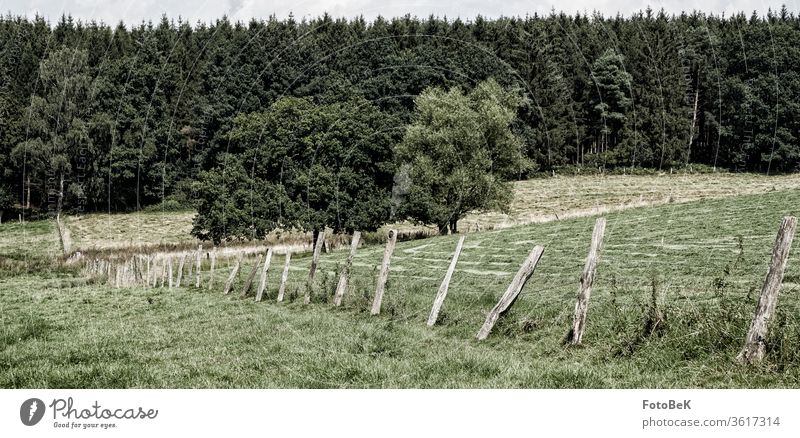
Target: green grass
535, 201
704, 261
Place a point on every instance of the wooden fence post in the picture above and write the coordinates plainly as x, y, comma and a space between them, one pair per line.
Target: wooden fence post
169, 263
251, 276
284, 276
163, 271
263, 283
190, 265
154, 278
313, 269
344, 275
198, 263
211, 270
441, 294
180, 270
147, 277
232, 277
754, 345
513, 291
383, 275
587, 280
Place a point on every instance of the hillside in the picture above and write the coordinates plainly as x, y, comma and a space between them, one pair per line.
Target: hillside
703, 261
535, 201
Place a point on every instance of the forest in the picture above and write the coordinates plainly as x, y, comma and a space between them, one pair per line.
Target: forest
98, 117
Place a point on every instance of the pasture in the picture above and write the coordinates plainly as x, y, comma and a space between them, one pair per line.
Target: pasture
692, 249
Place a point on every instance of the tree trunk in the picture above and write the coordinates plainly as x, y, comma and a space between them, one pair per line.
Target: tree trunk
60, 194
694, 121
454, 225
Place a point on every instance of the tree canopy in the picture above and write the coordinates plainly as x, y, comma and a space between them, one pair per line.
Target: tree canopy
301, 165
154, 104
457, 154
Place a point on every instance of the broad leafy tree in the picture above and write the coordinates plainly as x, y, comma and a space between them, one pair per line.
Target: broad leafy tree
302, 166
458, 154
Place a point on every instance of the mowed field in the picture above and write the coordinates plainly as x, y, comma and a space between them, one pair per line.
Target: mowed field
537, 200
696, 259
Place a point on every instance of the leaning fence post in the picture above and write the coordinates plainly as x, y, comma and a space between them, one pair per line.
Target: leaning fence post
513, 291
313, 269
198, 264
587, 280
441, 294
284, 276
383, 275
251, 276
754, 345
211, 269
263, 283
232, 277
344, 275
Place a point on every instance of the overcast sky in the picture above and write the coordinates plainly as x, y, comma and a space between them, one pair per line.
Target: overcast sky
134, 11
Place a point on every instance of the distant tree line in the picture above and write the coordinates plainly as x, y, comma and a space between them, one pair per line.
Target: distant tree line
114, 118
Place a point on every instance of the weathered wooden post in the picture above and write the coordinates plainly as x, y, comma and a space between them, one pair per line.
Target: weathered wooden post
383, 275
118, 277
284, 276
198, 263
211, 269
313, 269
156, 270
344, 275
147, 276
263, 283
251, 276
181, 262
441, 294
587, 280
513, 291
232, 277
169, 264
190, 265
754, 345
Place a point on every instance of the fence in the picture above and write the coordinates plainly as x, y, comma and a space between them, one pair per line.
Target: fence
157, 270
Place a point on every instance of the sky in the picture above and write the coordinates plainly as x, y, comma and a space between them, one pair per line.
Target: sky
136, 11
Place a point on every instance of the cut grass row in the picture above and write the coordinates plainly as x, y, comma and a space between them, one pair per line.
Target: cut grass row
537, 200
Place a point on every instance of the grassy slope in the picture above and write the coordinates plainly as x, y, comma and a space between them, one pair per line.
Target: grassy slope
93, 336
536, 200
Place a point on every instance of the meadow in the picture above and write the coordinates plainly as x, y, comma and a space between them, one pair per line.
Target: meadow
682, 265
